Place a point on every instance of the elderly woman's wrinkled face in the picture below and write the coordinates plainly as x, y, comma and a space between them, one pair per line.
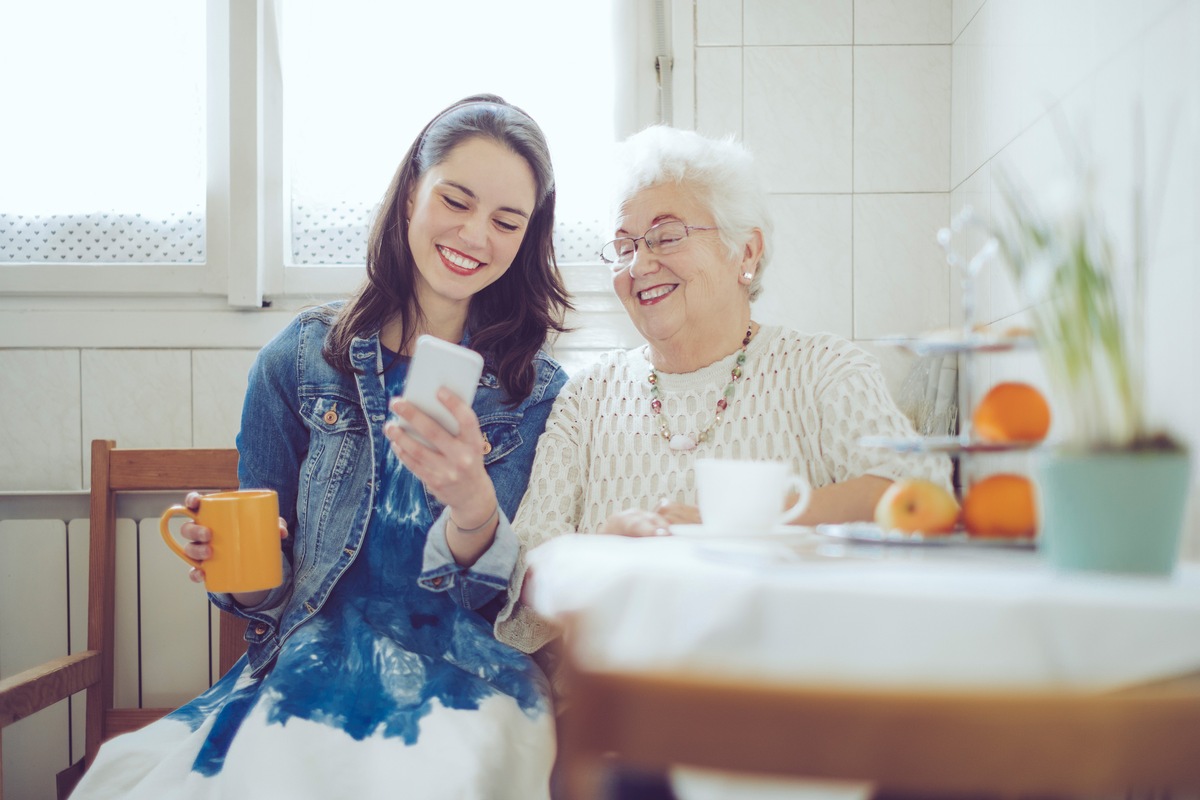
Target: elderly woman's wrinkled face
686, 293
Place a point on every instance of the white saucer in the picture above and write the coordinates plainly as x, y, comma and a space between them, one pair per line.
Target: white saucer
710, 532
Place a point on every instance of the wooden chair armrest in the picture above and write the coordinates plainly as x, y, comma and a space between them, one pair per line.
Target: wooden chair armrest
44, 685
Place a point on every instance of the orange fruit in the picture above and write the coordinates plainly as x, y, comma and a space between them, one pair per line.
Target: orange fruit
1000, 505
1012, 412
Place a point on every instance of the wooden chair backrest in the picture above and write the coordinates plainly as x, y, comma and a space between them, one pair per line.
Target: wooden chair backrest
925, 743
116, 470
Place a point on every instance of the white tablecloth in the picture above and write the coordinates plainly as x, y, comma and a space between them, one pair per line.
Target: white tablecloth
805, 609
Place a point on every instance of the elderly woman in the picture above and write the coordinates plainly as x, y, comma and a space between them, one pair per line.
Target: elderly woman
619, 451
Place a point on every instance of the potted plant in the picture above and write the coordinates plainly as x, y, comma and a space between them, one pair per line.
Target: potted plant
1112, 491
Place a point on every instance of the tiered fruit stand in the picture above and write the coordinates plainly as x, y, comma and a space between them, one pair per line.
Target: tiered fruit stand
967, 342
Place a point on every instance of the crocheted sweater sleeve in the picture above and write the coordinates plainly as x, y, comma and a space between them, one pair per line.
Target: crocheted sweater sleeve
804, 399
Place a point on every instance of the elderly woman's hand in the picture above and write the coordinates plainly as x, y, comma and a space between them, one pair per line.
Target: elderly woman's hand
636, 522
678, 513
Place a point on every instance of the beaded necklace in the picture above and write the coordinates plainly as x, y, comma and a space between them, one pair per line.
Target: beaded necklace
683, 442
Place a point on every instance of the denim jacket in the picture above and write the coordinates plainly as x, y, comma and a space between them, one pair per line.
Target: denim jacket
315, 435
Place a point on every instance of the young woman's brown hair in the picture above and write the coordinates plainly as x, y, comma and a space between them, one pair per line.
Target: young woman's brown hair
508, 320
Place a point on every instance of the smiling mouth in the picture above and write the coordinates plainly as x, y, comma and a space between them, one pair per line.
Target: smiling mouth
457, 261
655, 293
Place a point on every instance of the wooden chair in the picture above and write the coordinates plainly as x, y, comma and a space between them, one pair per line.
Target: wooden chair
114, 471
908, 744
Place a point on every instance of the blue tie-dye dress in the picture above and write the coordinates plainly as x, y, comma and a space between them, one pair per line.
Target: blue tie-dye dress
389, 691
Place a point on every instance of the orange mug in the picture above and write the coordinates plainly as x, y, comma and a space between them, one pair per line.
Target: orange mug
246, 555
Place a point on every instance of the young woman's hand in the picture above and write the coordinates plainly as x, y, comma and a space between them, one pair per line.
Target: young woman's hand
198, 548
452, 467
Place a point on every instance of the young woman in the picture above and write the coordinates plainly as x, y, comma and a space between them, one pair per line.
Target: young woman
372, 671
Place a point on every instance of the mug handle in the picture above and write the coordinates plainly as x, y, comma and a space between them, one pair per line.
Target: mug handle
170, 540
801, 488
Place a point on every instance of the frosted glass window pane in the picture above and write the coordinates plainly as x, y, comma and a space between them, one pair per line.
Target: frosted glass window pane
102, 148
361, 78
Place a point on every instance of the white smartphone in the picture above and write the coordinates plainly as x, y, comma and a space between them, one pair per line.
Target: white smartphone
437, 363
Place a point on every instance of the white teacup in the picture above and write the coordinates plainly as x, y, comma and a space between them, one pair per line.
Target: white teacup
748, 496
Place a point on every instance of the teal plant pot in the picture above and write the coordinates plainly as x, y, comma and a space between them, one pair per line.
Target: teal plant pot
1113, 511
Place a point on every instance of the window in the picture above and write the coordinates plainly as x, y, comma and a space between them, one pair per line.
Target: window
386, 69
103, 159
224, 151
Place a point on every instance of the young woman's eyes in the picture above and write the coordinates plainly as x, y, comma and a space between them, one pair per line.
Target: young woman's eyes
458, 205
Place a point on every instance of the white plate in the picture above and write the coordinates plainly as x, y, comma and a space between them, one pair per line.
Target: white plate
708, 532
872, 533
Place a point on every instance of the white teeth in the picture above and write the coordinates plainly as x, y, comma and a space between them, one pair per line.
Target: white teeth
657, 291
459, 260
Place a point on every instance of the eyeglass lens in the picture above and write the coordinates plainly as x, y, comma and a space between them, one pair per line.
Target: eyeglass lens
662, 238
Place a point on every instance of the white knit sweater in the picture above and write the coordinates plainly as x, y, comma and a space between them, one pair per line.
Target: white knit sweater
803, 399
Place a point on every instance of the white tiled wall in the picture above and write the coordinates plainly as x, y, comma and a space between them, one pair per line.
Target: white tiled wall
43, 442
140, 398
846, 105
902, 118
902, 21
901, 281
798, 110
1028, 76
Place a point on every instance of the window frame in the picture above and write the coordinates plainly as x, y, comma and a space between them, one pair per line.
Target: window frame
245, 267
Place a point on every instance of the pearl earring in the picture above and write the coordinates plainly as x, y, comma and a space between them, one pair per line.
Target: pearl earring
748, 276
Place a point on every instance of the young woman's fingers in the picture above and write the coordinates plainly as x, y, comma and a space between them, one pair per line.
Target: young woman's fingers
425, 426
198, 551
195, 533
468, 423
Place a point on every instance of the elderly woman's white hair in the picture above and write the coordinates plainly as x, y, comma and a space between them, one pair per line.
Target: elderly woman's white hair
720, 172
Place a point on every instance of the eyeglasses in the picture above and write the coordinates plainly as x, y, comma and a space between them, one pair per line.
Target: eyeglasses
663, 238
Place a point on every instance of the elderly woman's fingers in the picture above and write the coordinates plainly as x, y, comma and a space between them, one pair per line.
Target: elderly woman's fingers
678, 513
635, 522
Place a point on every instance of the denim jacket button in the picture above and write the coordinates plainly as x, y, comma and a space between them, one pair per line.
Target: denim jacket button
487, 446
260, 629
437, 581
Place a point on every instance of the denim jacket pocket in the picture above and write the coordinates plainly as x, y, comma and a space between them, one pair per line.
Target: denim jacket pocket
501, 434
333, 412
331, 417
